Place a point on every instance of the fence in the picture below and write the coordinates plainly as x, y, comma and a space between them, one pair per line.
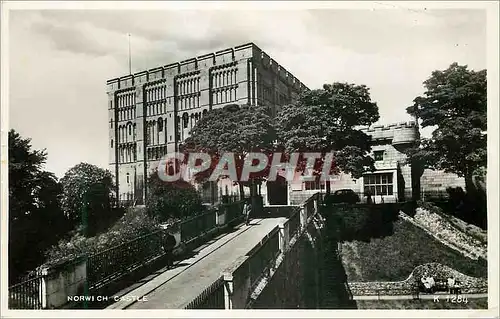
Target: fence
294, 222
106, 265
197, 225
233, 211
210, 298
27, 294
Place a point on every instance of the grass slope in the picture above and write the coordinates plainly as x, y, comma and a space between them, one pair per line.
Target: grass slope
394, 257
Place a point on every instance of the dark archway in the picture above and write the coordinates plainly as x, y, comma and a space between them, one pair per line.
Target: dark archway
277, 191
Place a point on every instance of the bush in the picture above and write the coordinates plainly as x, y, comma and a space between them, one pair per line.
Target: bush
172, 200
133, 224
360, 221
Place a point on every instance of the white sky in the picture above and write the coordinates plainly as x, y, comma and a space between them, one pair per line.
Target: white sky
60, 60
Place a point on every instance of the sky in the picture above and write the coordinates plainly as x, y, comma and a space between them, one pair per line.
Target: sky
60, 60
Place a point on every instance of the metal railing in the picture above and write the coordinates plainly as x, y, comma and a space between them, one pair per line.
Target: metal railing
234, 211
112, 262
105, 266
197, 225
309, 206
27, 294
294, 222
210, 298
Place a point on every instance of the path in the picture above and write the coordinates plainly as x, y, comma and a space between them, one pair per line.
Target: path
175, 288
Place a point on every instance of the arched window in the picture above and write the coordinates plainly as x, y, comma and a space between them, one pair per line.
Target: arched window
185, 119
204, 113
129, 128
160, 124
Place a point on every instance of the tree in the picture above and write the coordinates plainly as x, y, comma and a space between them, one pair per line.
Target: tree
237, 129
168, 201
454, 103
326, 120
36, 220
87, 196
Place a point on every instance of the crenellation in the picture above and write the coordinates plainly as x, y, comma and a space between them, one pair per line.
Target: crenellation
112, 85
283, 73
156, 73
244, 51
141, 77
206, 60
126, 81
273, 65
188, 65
265, 60
172, 69
224, 56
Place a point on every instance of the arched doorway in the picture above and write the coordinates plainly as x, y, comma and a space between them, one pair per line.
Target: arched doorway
277, 191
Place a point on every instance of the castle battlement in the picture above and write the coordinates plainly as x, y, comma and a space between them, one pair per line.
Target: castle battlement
392, 126
209, 60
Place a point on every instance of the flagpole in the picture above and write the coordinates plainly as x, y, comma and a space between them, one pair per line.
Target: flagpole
129, 57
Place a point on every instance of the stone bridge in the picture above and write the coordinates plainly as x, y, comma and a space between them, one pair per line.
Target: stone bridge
249, 267
274, 262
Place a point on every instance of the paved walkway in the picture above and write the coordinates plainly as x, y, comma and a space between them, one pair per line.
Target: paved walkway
175, 288
407, 297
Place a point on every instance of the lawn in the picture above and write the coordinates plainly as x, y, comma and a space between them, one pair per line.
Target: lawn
394, 257
479, 303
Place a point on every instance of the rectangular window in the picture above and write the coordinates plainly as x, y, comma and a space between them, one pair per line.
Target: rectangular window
378, 184
379, 155
314, 185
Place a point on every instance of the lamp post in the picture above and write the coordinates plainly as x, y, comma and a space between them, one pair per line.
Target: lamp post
85, 232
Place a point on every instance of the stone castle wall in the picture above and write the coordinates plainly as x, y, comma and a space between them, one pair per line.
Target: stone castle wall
152, 111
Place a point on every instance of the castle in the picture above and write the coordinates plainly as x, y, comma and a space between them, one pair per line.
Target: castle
152, 112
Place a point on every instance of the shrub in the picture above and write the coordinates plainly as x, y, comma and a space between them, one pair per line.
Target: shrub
360, 222
172, 200
133, 224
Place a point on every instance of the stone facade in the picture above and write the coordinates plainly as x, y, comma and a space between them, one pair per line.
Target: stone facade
152, 111
394, 179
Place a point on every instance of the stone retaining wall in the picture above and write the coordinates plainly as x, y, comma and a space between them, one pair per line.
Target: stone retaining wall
468, 284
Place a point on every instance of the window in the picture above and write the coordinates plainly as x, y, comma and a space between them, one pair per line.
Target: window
314, 185
185, 119
128, 177
111, 143
378, 184
160, 124
379, 155
129, 129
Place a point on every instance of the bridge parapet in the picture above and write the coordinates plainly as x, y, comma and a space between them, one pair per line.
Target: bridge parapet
245, 279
